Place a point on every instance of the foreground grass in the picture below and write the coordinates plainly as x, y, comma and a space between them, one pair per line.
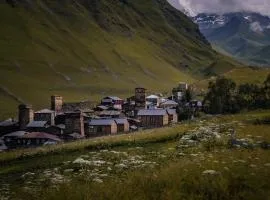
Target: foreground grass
237, 178
146, 165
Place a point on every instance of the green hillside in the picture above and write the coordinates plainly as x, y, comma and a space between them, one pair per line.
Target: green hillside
85, 49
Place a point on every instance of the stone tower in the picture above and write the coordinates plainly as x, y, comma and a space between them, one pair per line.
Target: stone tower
74, 122
56, 103
26, 115
140, 101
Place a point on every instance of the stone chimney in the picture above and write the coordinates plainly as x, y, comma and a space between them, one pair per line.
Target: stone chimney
56, 103
26, 115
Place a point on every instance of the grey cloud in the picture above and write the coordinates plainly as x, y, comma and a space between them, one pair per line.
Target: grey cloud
223, 6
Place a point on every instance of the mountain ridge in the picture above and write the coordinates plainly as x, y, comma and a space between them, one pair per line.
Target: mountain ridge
88, 48
243, 35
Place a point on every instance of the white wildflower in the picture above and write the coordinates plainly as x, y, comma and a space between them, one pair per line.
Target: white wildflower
210, 172
98, 180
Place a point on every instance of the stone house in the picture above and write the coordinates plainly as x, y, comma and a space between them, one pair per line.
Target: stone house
173, 116
112, 101
45, 115
37, 126
8, 126
99, 127
122, 125
154, 100
153, 118
35, 139
11, 138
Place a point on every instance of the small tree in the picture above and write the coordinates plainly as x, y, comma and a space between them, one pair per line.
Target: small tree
266, 91
221, 97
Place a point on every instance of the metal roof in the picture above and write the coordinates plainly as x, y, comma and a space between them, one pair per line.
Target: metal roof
101, 122
171, 111
121, 121
8, 122
110, 112
169, 102
15, 134
46, 111
41, 135
152, 97
36, 124
103, 107
113, 98
152, 112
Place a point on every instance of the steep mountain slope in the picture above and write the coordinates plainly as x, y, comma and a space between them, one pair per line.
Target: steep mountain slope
243, 35
88, 48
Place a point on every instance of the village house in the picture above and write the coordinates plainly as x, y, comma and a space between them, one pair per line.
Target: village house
173, 116
100, 127
153, 118
37, 126
45, 115
154, 100
10, 139
122, 125
35, 139
112, 101
8, 126
56, 129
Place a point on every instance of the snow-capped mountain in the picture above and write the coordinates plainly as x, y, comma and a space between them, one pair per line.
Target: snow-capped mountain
244, 35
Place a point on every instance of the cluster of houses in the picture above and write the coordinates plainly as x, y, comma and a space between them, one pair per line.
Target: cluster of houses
71, 121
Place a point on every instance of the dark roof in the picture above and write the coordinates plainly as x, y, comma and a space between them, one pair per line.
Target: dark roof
46, 111
103, 107
41, 135
15, 134
8, 122
113, 98
171, 111
152, 112
121, 121
169, 102
37, 124
110, 112
100, 122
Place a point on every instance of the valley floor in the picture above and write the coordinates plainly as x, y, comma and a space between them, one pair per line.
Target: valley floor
215, 157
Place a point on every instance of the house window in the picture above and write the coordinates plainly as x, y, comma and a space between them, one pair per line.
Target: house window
100, 129
91, 129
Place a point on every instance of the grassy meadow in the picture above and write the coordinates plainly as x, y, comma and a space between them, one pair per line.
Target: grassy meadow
152, 164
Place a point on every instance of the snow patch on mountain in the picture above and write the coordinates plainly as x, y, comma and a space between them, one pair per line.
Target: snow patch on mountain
256, 27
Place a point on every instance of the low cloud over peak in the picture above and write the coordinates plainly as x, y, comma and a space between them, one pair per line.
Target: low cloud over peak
222, 6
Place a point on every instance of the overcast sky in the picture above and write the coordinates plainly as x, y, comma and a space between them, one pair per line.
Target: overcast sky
222, 6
